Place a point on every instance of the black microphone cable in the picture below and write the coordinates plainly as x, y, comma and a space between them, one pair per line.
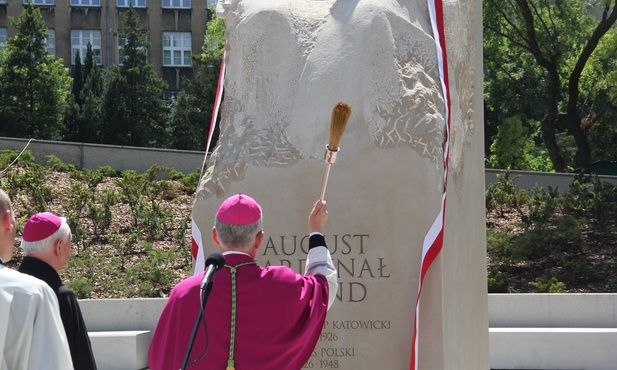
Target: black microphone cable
217, 260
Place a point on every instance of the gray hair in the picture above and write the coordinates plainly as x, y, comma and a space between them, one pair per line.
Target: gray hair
63, 233
237, 236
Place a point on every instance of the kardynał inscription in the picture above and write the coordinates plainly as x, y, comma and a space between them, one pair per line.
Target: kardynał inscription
361, 272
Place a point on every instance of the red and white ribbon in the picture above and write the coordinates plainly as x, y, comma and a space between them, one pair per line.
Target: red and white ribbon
433, 241
197, 247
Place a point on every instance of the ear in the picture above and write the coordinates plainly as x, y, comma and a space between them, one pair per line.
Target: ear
6, 219
57, 248
215, 237
258, 240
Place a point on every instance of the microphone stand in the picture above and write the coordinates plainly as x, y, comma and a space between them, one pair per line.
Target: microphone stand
197, 321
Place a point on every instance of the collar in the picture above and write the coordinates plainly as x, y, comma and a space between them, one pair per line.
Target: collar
235, 252
2, 263
234, 259
41, 270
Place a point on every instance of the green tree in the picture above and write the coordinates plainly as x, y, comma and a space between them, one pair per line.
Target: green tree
514, 147
188, 118
551, 62
135, 112
34, 86
85, 118
602, 100
78, 79
192, 110
93, 98
73, 115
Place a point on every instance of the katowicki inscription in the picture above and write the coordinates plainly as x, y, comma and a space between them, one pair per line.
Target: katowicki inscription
334, 357
358, 264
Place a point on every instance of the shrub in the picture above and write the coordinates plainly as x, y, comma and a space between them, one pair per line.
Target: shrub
12, 157
56, 164
497, 282
551, 285
189, 182
151, 273
578, 272
541, 206
503, 195
498, 244
590, 197
82, 287
560, 235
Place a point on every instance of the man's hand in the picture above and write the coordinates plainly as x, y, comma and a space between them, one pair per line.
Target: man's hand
318, 217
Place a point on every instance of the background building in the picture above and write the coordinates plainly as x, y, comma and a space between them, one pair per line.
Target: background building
175, 30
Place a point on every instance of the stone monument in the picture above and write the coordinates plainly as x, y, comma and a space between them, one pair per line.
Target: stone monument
288, 63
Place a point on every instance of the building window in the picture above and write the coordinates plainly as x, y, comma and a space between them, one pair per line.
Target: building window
85, 2
177, 4
177, 49
2, 1
133, 3
3, 38
39, 2
51, 42
79, 42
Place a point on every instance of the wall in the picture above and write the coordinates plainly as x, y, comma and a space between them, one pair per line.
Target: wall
92, 156
566, 323
528, 179
505, 310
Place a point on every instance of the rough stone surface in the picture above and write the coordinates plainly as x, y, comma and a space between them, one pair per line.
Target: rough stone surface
288, 64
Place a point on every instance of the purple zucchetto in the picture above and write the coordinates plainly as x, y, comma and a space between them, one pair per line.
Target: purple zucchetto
41, 226
239, 209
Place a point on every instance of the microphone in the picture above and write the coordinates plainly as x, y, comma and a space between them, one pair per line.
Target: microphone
214, 262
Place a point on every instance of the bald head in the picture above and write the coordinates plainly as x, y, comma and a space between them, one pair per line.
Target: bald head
7, 227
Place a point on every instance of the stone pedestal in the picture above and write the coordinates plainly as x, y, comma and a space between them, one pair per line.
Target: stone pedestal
288, 63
